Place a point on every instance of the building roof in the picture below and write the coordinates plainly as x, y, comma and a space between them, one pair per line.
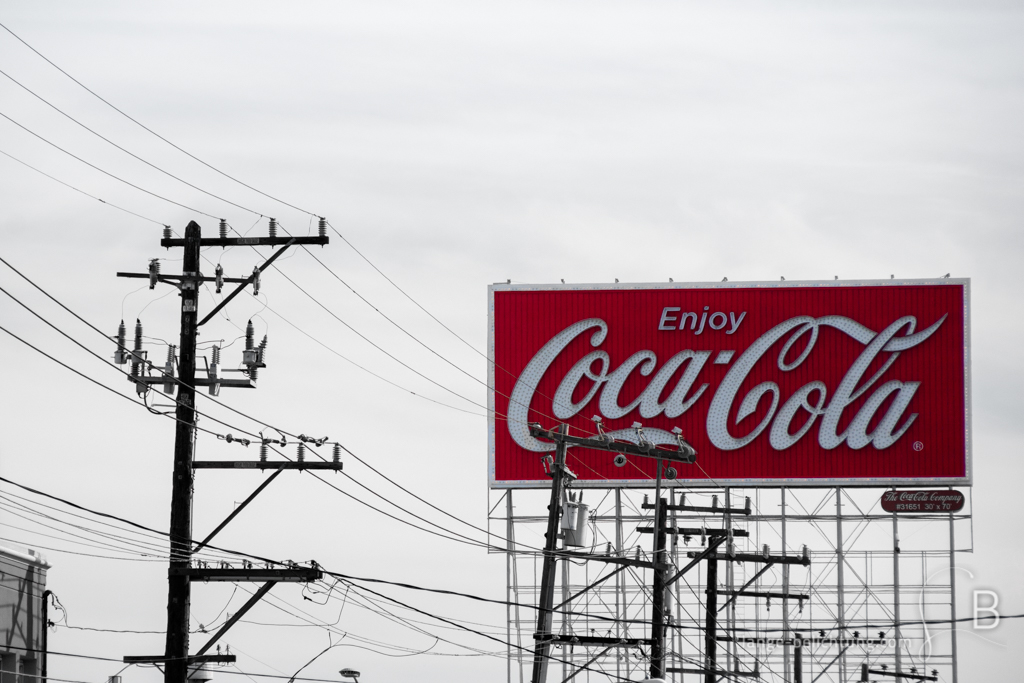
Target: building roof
26, 555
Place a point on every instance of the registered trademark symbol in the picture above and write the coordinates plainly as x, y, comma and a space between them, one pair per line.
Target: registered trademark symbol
918, 446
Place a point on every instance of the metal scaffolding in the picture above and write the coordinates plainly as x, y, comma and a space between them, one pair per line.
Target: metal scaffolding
874, 582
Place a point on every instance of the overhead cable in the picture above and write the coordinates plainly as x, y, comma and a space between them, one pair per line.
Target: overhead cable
129, 153
349, 577
104, 172
150, 130
105, 361
367, 370
460, 537
72, 187
222, 436
411, 336
421, 307
374, 344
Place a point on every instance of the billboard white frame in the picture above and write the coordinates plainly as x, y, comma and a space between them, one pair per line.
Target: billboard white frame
966, 480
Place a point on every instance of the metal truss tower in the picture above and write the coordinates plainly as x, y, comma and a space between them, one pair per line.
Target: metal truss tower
861, 603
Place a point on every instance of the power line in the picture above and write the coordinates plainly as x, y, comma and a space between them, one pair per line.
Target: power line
367, 370
470, 596
221, 436
6, 496
121, 661
488, 636
150, 130
107, 173
112, 542
406, 294
381, 349
337, 575
385, 316
351, 590
129, 153
421, 307
375, 345
460, 536
464, 628
77, 540
465, 539
159, 370
453, 535
98, 331
33, 544
331, 628
72, 187
250, 210
417, 339
106, 515
460, 539
395, 358
93, 353
407, 491
84, 376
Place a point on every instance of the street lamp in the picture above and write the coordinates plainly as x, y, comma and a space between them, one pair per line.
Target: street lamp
349, 673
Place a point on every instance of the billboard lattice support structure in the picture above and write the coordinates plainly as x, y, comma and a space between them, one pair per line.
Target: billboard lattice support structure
868, 593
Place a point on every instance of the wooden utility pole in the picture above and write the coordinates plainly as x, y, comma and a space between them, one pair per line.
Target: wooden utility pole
176, 659
178, 588
658, 590
643, 448
559, 473
798, 659
711, 623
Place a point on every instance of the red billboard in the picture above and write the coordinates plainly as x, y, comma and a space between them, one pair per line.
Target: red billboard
775, 384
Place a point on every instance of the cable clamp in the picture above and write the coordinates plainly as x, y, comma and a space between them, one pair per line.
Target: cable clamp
232, 439
309, 439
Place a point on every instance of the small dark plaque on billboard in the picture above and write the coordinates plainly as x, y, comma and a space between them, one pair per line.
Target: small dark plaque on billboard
941, 500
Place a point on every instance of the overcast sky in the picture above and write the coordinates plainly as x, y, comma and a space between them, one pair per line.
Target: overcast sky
456, 145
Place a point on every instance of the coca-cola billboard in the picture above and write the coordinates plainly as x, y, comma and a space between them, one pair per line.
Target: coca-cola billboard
775, 384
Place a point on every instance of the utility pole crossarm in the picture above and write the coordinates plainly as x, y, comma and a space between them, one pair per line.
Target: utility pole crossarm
610, 445
297, 574
761, 594
173, 279
682, 507
246, 383
900, 674
738, 533
195, 659
247, 241
805, 641
265, 465
592, 640
723, 674
767, 559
